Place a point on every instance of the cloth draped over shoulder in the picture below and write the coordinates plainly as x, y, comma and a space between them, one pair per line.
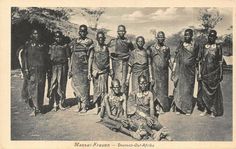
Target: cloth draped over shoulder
120, 57
210, 94
186, 56
100, 67
80, 50
138, 62
160, 67
121, 48
36, 61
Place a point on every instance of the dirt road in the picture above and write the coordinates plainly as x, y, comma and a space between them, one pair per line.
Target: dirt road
68, 125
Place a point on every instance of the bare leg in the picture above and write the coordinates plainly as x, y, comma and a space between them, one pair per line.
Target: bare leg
204, 113
130, 133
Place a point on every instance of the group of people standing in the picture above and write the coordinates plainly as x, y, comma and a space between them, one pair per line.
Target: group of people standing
133, 109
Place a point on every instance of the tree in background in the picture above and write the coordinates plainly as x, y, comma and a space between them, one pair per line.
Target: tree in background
92, 15
153, 32
53, 19
209, 18
46, 20
227, 42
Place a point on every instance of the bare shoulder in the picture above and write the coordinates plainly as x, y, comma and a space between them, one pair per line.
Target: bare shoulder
111, 42
128, 41
148, 51
73, 41
89, 41
106, 97
124, 96
150, 93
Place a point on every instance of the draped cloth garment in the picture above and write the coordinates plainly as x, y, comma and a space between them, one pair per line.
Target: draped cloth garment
210, 94
138, 62
184, 76
80, 53
160, 62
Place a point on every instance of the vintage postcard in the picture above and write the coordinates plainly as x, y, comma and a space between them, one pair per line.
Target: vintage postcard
127, 74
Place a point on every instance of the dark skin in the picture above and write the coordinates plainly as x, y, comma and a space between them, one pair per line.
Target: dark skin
212, 40
143, 87
140, 43
116, 92
101, 42
161, 42
57, 38
212, 36
34, 37
121, 32
83, 32
188, 37
160, 38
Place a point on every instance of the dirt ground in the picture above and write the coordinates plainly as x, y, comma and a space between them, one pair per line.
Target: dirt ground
69, 125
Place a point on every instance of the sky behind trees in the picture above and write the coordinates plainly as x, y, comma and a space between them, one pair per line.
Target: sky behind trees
139, 21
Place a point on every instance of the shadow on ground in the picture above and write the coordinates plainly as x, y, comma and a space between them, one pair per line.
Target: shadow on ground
69, 125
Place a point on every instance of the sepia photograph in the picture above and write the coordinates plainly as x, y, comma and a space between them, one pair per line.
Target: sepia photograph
121, 74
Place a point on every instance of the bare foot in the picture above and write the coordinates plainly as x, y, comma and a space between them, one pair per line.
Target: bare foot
61, 107
135, 135
55, 109
177, 113
203, 113
83, 110
33, 114
212, 115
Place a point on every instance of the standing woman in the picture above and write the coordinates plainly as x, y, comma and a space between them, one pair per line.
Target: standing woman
160, 54
59, 56
78, 68
98, 69
211, 74
139, 64
121, 47
36, 65
184, 74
